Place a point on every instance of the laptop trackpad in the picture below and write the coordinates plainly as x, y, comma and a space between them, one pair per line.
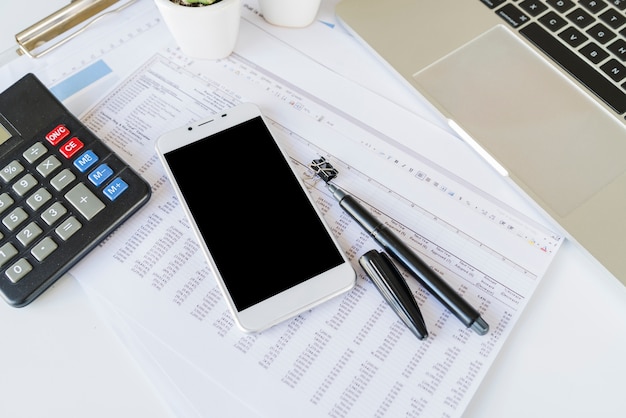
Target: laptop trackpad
558, 144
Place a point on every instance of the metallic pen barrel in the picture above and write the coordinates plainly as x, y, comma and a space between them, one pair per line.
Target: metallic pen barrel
469, 316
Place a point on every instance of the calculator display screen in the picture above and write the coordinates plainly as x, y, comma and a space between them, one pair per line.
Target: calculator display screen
5, 135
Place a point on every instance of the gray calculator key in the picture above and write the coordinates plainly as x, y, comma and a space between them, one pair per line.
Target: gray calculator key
68, 228
53, 213
84, 201
16, 217
7, 252
37, 199
5, 202
18, 270
63, 179
35, 152
9, 172
23, 185
29, 233
48, 166
44, 248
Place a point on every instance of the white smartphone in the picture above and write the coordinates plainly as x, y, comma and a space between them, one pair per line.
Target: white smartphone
270, 250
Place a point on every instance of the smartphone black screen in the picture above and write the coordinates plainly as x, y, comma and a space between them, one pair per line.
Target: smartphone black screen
259, 225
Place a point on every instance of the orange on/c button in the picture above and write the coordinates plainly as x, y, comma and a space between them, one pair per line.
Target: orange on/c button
70, 147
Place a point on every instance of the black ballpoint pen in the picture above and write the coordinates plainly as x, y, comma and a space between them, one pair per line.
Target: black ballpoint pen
469, 316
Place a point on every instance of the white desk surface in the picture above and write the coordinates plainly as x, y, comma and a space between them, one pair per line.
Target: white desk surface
565, 358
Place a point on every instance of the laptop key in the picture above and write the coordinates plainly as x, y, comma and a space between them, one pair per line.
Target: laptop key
620, 4
533, 7
580, 18
492, 4
594, 6
573, 37
614, 69
612, 95
594, 53
601, 33
561, 5
512, 15
619, 49
613, 18
552, 21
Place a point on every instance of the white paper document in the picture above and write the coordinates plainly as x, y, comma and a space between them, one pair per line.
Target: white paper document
351, 356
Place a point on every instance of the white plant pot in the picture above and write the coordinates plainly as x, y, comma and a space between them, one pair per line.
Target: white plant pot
207, 32
289, 13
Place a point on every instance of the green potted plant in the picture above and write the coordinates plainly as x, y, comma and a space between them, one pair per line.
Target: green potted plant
205, 29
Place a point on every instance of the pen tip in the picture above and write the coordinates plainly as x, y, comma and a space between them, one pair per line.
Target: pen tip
337, 193
480, 326
421, 335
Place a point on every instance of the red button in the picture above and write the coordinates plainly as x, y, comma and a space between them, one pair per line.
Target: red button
70, 147
57, 134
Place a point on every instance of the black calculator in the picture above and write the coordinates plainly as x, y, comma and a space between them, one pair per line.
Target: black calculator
63, 190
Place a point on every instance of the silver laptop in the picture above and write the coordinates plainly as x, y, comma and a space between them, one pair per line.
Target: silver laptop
538, 88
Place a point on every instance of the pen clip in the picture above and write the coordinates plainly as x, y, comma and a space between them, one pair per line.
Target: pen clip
394, 290
324, 169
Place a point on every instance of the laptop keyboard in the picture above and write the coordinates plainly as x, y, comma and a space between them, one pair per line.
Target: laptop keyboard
587, 38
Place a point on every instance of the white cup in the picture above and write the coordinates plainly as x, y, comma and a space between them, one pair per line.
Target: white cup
289, 13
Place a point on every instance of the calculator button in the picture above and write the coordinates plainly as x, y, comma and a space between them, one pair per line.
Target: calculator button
68, 228
115, 189
100, 174
18, 270
86, 160
28, 234
35, 152
71, 147
44, 248
7, 252
84, 201
48, 166
57, 134
9, 172
53, 213
37, 199
24, 184
5, 202
63, 179
16, 217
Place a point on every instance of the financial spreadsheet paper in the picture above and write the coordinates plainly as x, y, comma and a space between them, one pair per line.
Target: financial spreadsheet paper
351, 356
